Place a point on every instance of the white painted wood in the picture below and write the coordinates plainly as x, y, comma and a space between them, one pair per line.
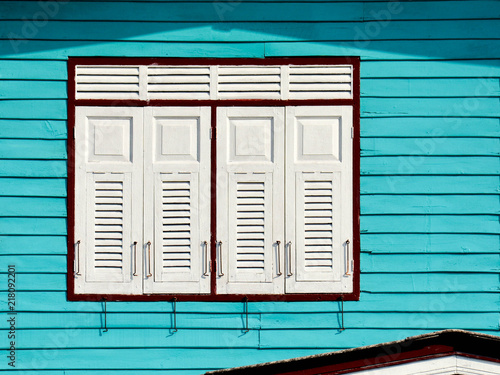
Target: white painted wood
252, 82
250, 151
320, 82
285, 82
319, 198
174, 82
449, 365
108, 174
107, 82
177, 198
214, 82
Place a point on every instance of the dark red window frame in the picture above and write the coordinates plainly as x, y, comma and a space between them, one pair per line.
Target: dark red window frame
213, 104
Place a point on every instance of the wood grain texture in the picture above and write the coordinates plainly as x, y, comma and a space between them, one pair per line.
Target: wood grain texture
430, 182
449, 298
32, 187
408, 243
33, 129
265, 31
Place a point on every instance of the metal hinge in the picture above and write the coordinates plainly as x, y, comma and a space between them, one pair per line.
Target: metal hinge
213, 133
352, 133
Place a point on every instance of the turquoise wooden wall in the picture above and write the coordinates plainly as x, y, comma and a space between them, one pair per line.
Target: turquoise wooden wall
429, 178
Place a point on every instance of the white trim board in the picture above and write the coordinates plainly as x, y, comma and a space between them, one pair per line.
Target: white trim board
449, 365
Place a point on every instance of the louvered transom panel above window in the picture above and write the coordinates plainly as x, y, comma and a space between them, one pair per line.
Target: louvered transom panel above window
107, 82
176, 222
250, 224
249, 82
108, 227
318, 225
174, 82
217, 82
320, 82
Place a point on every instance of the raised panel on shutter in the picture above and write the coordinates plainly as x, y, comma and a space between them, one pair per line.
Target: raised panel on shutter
177, 199
319, 198
250, 214
108, 220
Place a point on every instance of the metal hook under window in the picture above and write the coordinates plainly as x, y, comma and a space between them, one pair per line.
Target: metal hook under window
105, 316
342, 328
174, 301
245, 301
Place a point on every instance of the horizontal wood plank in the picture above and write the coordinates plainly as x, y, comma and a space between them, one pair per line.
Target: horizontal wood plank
430, 263
175, 11
449, 299
156, 358
336, 338
430, 146
431, 69
264, 31
429, 243
430, 204
33, 207
32, 149
433, 127
33, 89
33, 69
390, 50
34, 109
423, 320
480, 224
60, 50
435, 87
433, 107
410, 184
429, 283
370, 282
33, 129
32, 226
430, 165
33, 168
33, 245
32, 187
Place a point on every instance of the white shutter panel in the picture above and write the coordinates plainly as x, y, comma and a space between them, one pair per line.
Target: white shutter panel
177, 199
250, 200
319, 198
108, 173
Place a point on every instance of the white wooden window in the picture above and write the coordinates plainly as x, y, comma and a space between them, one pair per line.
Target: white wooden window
283, 177
142, 202
284, 217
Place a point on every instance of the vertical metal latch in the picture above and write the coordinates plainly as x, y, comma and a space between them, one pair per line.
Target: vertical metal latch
105, 316
245, 302
174, 308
